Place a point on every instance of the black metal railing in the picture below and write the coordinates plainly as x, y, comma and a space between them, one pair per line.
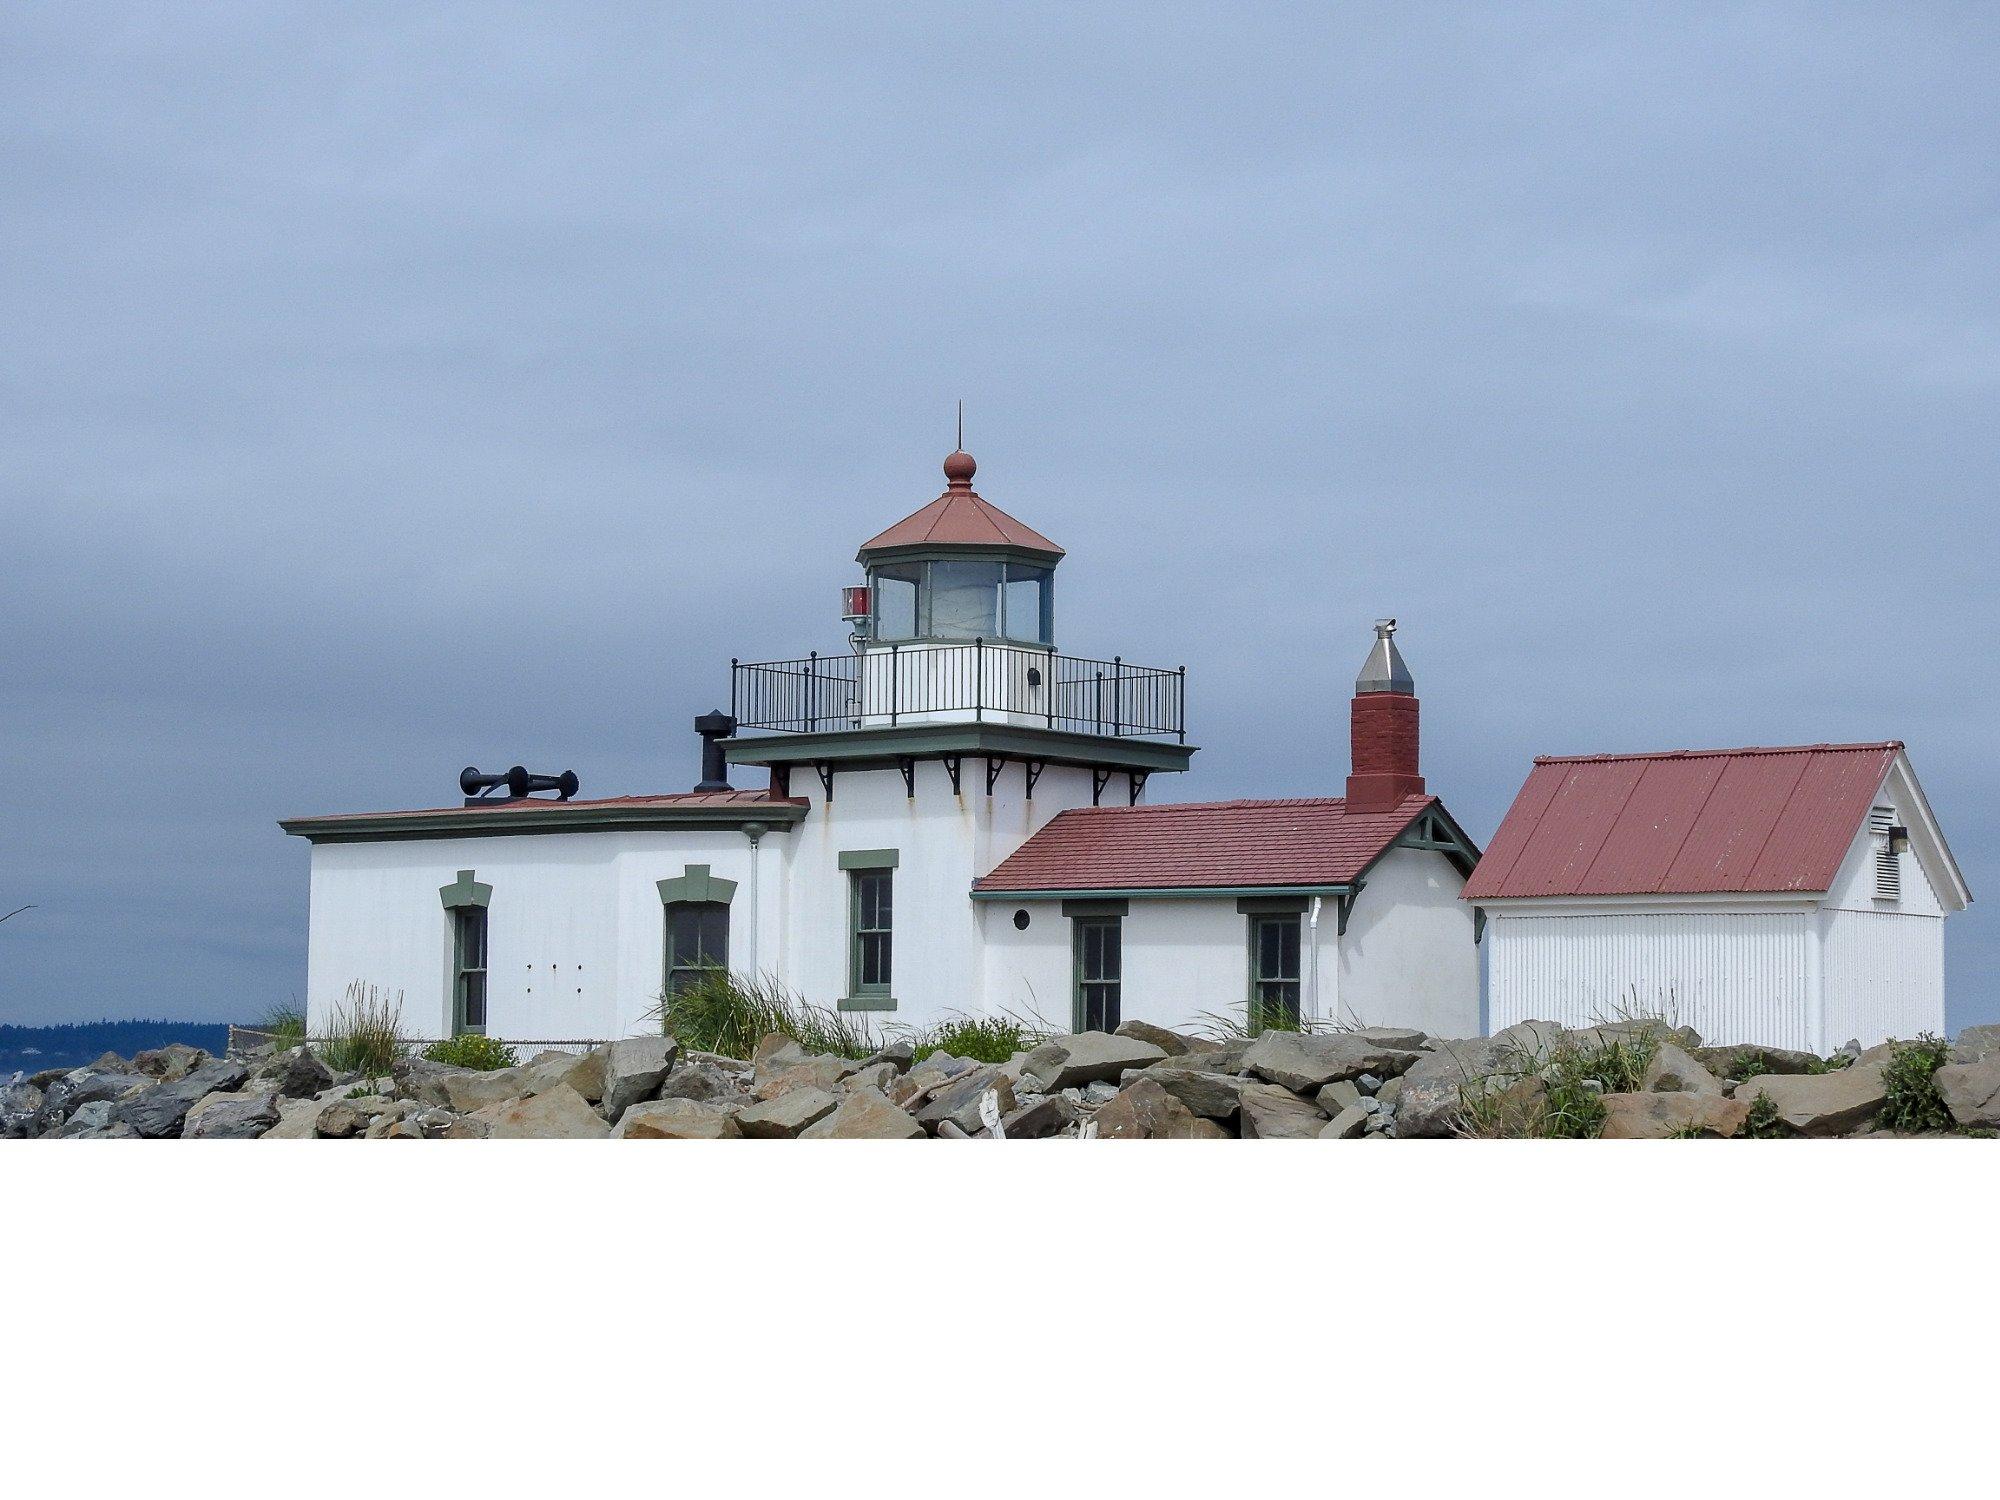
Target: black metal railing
903, 683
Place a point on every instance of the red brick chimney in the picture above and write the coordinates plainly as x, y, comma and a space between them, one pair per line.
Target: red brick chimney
1384, 729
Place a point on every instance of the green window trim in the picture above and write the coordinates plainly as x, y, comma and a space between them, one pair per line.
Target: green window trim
871, 935
469, 966
1097, 972
465, 891
1272, 980
696, 887
870, 859
1096, 908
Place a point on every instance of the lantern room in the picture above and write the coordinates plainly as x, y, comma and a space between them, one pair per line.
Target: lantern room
960, 569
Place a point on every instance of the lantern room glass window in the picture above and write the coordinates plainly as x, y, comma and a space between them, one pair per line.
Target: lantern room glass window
964, 599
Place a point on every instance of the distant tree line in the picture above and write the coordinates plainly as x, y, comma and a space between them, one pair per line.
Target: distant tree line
33, 1048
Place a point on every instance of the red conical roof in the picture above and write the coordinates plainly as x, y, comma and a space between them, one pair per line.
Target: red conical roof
959, 518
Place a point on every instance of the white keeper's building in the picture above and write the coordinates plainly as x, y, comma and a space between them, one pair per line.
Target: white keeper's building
950, 815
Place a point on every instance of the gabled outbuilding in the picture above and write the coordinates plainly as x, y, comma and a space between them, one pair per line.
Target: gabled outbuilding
1790, 896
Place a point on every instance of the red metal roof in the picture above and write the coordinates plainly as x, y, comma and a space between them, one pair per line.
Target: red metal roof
1294, 841
959, 518
1683, 822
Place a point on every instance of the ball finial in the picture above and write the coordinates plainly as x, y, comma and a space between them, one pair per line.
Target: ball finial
959, 467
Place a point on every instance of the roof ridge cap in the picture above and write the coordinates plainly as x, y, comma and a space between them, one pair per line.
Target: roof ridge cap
1613, 755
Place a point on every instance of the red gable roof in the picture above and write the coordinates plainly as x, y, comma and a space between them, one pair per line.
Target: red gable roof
959, 518
1683, 822
1297, 841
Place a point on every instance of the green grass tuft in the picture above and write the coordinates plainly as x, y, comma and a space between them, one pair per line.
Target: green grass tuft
1910, 1079
728, 1014
366, 1036
1763, 1123
285, 1025
481, 1053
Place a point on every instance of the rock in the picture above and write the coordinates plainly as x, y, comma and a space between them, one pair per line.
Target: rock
1271, 1113
110, 1062
81, 1086
1346, 1125
824, 1073
1088, 1057
469, 1092
1430, 1100
296, 1119
1342, 1093
585, 1074
87, 1120
772, 1055
1214, 1096
865, 1115
303, 1075
899, 1055
786, 1115
1386, 1096
1976, 1044
1214, 1057
877, 1076
1049, 1115
159, 1111
19, 1104
1971, 1090
170, 1063
48, 1078
1393, 1037
232, 1117
703, 1082
390, 1121
342, 1119
633, 1070
1655, 1116
1722, 1062
557, 1114
1822, 1103
421, 1079
1684, 1037
958, 1100
677, 1120
1535, 1039
1304, 1061
1672, 1071
1147, 1112
1170, 1042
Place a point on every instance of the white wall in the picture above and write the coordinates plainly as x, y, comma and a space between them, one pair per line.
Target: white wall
1733, 976
1882, 962
1408, 958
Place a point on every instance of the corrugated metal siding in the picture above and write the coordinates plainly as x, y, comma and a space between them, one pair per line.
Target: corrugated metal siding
1884, 976
1734, 977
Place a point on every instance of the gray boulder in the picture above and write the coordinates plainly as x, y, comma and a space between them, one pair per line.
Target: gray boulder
1147, 1112
84, 1120
1431, 1096
1088, 1057
420, 1079
1272, 1113
1170, 1042
1822, 1103
1049, 1115
1723, 1062
469, 1092
232, 1117
958, 1100
1392, 1036
1213, 1096
1654, 1116
677, 1120
557, 1114
898, 1054
344, 1119
19, 1104
1342, 1093
1673, 1071
784, 1117
1347, 1125
1971, 1090
170, 1063
303, 1075
865, 1115
1976, 1043
702, 1082
633, 1070
296, 1119
160, 1110
1305, 1062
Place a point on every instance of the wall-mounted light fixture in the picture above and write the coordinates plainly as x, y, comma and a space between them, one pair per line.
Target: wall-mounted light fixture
1899, 839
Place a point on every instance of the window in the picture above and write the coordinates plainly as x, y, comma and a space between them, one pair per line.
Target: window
896, 600
1274, 971
965, 600
1025, 610
1099, 967
872, 913
697, 941
468, 927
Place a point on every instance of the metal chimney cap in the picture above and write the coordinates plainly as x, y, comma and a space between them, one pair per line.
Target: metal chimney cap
1385, 671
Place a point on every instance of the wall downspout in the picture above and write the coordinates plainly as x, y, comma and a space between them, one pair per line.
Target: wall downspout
755, 833
1312, 934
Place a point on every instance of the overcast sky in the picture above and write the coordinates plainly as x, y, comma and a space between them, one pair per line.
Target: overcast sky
387, 388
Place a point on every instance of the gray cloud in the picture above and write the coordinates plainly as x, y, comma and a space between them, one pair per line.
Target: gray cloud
385, 391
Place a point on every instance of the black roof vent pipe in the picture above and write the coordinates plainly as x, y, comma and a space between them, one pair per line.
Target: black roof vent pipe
714, 727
